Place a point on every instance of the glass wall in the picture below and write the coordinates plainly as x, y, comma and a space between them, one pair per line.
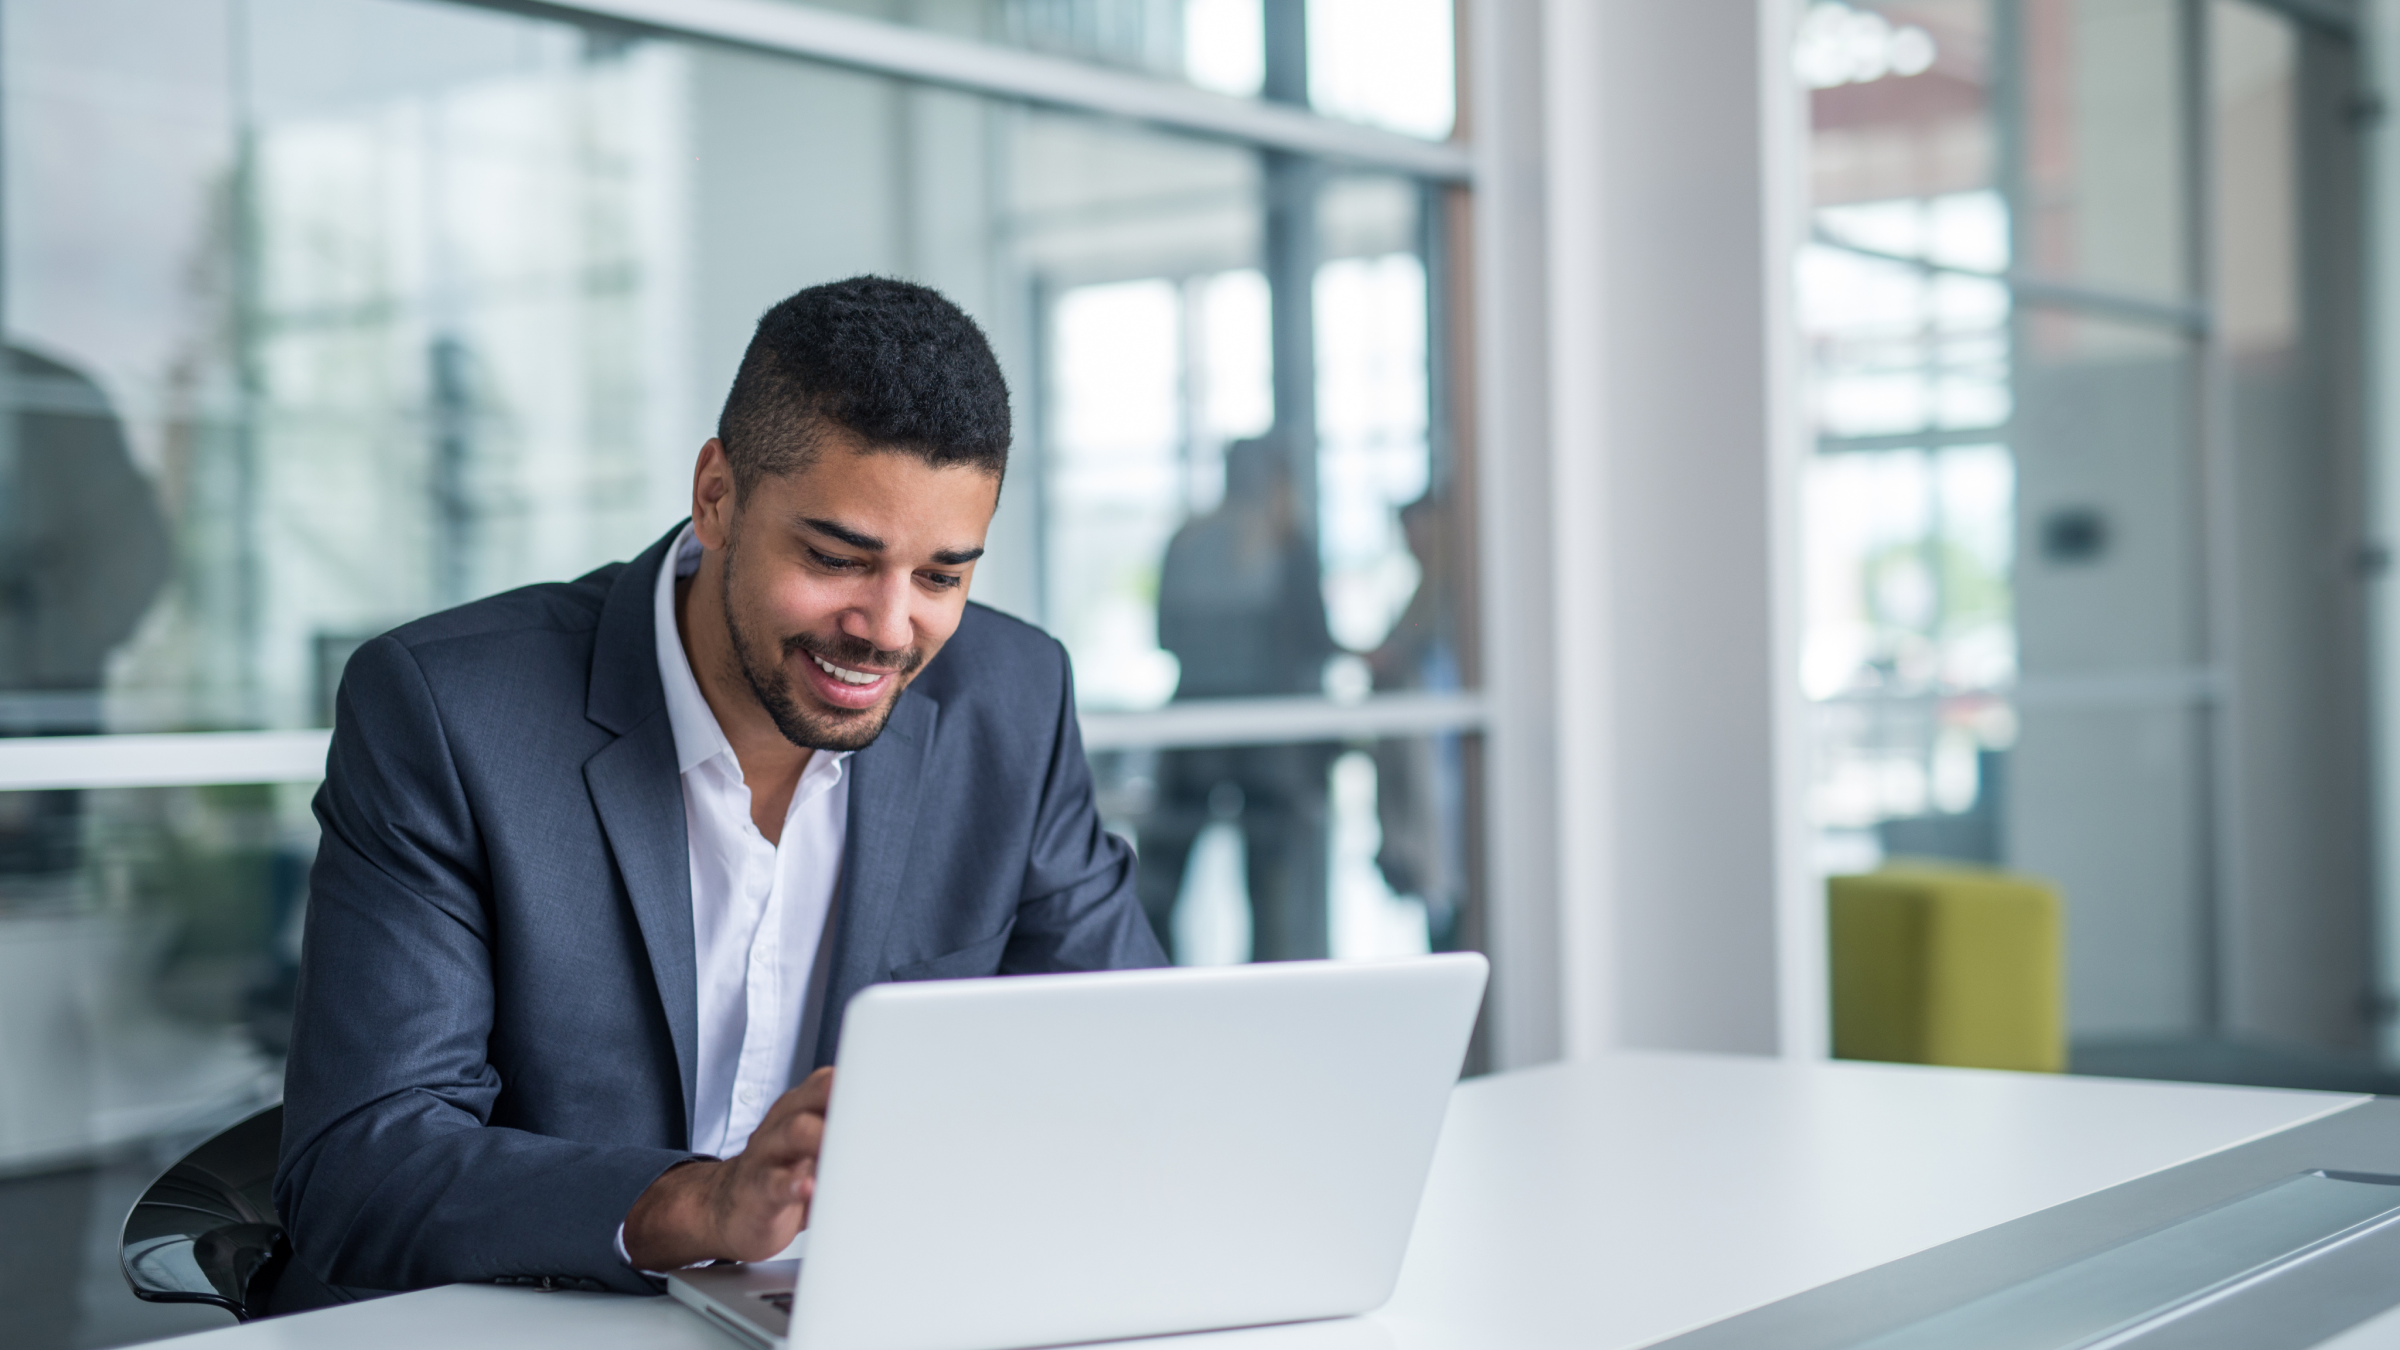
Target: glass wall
2077, 529
1910, 650
325, 314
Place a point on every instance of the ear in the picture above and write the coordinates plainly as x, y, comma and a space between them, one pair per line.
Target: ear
713, 504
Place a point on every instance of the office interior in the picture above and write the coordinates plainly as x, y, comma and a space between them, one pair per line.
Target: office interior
1707, 448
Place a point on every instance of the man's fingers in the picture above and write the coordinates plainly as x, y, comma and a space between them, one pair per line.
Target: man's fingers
775, 1175
790, 1142
791, 1129
811, 1095
781, 1161
815, 1091
808, 1099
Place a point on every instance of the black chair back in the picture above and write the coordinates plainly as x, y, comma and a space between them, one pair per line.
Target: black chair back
207, 1232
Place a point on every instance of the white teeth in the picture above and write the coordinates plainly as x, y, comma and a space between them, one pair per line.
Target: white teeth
845, 676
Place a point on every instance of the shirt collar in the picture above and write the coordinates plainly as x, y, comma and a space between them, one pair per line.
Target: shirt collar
698, 738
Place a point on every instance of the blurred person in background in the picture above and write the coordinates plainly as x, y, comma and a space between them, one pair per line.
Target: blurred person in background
1420, 783
1241, 605
83, 554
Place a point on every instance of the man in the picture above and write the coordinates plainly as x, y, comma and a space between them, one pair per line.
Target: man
84, 552
1241, 604
604, 860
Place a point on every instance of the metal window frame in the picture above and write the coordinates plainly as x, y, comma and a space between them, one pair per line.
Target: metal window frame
928, 57
198, 758
2192, 317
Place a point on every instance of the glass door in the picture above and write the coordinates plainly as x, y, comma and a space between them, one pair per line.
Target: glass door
2086, 562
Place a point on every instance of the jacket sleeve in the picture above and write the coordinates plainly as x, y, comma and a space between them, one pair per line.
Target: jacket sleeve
1079, 910
391, 1177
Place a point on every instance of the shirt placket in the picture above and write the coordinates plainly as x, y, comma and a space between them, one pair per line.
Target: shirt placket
762, 984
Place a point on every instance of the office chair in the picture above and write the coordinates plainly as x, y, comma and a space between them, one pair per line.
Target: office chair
207, 1232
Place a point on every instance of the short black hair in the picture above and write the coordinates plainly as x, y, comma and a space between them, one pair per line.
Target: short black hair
888, 361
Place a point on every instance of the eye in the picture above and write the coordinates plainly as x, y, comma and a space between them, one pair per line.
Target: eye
940, 581
831, 563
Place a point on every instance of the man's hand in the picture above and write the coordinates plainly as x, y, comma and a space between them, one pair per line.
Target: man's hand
744, 1208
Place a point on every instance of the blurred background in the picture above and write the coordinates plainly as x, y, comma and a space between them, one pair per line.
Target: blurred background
2089, 548
1542, 477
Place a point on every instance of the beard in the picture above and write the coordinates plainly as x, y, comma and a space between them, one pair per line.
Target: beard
770, 681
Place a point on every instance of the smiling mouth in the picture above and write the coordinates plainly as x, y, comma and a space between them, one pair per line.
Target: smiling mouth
849, 690
844, 674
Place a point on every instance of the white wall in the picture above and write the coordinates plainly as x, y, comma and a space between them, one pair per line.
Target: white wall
1638, 521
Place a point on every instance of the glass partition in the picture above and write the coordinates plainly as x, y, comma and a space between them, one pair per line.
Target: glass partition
432, 337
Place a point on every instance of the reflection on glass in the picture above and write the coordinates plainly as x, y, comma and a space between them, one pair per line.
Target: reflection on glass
1151, 377
1371, 437
1903, 346
1139, 436
145, 986
1909, 558
1386, 857
1241, 606
1241, 597
1909, 644
2104, 167
392, 333
1205, 541
83, 555
380, 330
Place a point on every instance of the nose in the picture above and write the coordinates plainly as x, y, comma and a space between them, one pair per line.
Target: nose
882, 615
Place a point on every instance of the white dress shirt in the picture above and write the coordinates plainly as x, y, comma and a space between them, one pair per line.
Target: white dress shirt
758, 909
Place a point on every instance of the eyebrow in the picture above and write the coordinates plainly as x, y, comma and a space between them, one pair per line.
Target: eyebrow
949, 557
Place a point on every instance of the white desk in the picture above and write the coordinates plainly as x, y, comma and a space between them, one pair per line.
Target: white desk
1605, 1204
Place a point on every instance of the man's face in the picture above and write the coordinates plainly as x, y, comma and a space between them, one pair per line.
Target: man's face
841, 581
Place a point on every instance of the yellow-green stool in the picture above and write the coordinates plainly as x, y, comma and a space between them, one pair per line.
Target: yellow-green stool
1948, 965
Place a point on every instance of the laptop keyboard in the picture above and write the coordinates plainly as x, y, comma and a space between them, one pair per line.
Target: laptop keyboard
780, 1301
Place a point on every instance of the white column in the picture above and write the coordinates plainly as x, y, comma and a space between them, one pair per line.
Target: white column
1639, 582
1512, 488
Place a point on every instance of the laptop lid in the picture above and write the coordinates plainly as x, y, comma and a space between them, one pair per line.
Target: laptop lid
1044, 1159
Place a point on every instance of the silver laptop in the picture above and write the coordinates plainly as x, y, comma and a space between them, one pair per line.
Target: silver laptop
1046, 1159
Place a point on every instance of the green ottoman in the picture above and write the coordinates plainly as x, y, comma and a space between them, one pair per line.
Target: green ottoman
1948, 965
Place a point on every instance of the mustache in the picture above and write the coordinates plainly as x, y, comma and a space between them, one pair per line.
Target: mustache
853, 653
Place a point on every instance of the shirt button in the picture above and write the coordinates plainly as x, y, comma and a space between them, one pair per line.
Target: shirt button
748, 1094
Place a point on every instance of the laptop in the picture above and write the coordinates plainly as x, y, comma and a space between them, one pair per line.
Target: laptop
1046, 1159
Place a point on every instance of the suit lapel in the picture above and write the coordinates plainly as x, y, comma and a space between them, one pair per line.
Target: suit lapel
639, 797
884, 782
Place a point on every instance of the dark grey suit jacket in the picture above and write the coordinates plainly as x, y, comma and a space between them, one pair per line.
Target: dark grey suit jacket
493, 1051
